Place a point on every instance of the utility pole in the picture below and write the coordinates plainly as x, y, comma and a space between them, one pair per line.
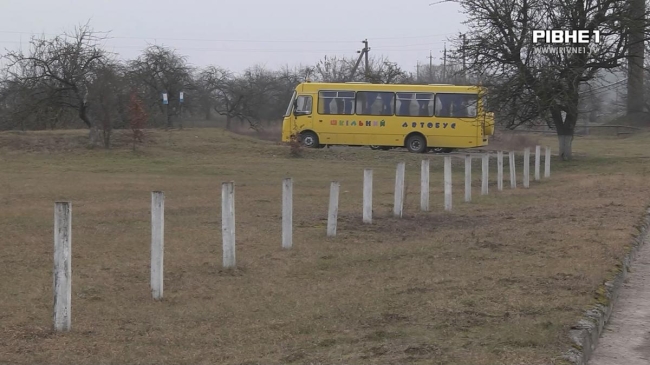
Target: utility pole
417, 72
444, 64
363, 52
464, 64
430, 68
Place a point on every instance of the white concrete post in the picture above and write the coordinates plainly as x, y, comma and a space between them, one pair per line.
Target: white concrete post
500, 170
333, 213
547, 162
424, 186
448, 183
157, 243
228, 223
468, 178
287, 213
398, 208
526, 167
62, 266
485, 176
538, 159
367, 196
513, 171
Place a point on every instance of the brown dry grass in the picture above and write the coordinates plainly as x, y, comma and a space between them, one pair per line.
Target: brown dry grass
497, 281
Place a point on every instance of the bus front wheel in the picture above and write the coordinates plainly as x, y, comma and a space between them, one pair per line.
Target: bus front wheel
416, 144
309, 140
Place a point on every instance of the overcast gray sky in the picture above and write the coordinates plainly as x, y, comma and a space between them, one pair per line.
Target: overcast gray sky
240, 33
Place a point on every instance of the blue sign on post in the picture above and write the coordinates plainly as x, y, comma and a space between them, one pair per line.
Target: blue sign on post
164, 99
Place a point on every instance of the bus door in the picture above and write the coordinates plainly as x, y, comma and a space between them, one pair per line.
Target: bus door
302, 112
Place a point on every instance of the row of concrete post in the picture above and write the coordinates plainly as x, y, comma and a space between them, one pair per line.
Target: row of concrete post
63, 219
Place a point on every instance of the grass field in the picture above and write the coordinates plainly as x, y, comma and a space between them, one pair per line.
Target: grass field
496, 281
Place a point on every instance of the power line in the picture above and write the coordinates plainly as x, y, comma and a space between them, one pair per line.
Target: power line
243, 40
388, 48
603, 88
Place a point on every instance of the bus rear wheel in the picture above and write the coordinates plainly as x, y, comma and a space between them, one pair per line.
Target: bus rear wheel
416, 144
309, 140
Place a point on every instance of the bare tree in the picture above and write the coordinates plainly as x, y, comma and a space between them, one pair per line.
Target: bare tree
60, 70
162, 70
221, 92
528, 86
21, 104
108, 92
623, 101
333, 69
383, 71
262, 96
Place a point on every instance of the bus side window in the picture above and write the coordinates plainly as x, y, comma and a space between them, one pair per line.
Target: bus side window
369, 99
415, 105
443, 105
376, 103
325, 99
424, 104
388, 101
404, 108
336, 102
347, 102
349, 106
339, 106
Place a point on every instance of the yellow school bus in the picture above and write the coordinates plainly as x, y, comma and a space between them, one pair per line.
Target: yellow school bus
419, 117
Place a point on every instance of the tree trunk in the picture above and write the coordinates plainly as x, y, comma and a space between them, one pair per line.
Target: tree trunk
228, 121
565, 148
635, 57
170, 124
84, 117
565, 126
565, 132
107, 139
93, 135
107, 130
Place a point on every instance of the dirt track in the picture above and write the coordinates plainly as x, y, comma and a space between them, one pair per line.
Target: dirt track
626, 339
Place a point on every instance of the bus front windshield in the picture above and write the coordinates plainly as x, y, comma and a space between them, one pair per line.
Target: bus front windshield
293, 98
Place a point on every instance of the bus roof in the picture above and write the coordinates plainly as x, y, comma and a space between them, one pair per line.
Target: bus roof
317, 86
